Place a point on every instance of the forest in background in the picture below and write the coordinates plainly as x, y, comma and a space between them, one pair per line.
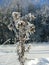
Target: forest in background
41, 22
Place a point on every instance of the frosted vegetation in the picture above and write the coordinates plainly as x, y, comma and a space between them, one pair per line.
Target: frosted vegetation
35, 7
34, 17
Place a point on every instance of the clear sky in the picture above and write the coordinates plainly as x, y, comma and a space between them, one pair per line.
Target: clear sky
40, 2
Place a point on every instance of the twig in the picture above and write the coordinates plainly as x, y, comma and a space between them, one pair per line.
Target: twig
6, 42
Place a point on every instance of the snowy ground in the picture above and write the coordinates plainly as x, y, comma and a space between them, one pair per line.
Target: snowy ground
38, 55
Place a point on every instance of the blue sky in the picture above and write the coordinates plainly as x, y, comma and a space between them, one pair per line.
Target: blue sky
2, 2
37, 2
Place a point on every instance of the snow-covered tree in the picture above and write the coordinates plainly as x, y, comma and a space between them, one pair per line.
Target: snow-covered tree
25, 28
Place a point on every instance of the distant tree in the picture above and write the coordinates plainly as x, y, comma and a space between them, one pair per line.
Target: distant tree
31, 8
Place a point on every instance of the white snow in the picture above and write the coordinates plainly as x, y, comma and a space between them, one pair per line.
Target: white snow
38, 55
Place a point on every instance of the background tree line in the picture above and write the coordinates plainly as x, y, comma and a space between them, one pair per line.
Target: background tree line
41, 22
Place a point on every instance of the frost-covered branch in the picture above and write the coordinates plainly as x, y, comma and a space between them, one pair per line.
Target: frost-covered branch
24, 28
